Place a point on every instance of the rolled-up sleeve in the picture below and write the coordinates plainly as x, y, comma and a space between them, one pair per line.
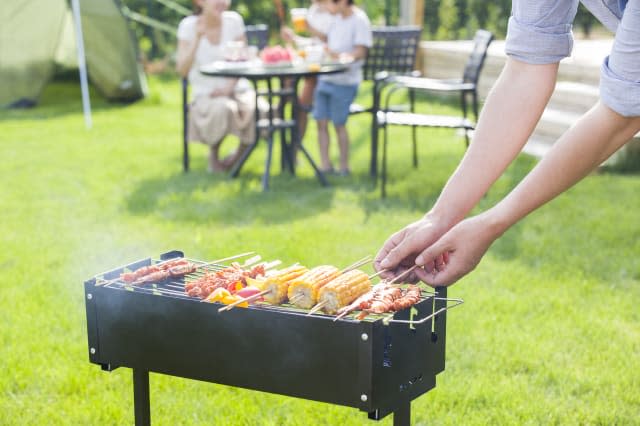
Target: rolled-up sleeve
539, 32
620, 74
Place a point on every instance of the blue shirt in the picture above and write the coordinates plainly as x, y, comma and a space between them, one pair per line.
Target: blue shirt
539, 32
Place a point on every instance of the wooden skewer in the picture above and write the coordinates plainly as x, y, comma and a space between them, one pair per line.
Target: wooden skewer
357, 264
377, 273
255, 259
296, 298
403, 274
342, 315
244, 299
317, 307
273, 264
224, 259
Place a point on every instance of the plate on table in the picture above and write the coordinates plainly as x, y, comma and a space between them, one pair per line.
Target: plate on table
277, 65
230, 65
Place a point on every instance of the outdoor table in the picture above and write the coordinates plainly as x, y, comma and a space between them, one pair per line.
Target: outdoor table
288, 76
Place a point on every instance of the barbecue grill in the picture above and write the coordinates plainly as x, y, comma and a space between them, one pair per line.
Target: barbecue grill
377, 365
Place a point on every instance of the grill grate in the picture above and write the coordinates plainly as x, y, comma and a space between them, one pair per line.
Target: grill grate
175, 288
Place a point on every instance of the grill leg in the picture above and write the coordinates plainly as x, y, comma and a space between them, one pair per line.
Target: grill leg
141, 397
402, 416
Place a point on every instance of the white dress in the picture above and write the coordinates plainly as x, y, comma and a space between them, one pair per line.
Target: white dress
212, 118
232, 29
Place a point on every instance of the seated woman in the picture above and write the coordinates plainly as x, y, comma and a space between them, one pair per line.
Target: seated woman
220, 106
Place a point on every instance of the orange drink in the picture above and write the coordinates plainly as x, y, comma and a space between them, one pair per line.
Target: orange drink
299, 19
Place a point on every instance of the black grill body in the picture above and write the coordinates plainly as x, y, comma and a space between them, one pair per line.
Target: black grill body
372, 365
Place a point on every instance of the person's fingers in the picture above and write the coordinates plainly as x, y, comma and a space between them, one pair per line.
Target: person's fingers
403, 247
430, 267
458, 264
423, 275
451, 273
433, 269
439, 262
389, 245
434, 252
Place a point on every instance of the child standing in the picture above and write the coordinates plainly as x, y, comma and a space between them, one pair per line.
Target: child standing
318, 20
348, 38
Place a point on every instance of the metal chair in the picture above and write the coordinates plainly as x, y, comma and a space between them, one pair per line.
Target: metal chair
467, 86
257, 35
393, 52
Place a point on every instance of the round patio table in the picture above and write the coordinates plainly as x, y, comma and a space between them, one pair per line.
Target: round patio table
277, 117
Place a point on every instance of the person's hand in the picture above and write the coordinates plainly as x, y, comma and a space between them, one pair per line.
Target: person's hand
287, 34
345, 58
201, 27
226, 91
330, 53
399, 251
457, 252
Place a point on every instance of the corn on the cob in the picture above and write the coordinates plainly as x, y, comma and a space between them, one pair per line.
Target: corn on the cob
303, 291
343, 290
278, 284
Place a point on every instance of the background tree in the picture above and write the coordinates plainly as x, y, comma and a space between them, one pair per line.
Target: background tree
585, 21
443, 19
448, 20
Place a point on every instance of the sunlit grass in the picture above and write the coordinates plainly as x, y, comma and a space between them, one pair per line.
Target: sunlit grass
549, 333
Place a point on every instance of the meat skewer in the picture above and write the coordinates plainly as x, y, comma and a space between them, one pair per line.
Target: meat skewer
232, 278
381, 291
411, 297
363, 301
393, 302
157, 269
229, 278
171, 268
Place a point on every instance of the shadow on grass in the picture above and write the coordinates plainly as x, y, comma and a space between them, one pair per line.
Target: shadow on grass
198, 196
60, 98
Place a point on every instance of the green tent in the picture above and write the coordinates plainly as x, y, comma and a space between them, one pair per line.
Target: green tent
38, 36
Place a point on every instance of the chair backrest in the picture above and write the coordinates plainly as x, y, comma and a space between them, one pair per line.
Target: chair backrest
257, 35
475, 62
394, 50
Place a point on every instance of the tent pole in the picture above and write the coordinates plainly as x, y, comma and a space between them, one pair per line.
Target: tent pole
82, 64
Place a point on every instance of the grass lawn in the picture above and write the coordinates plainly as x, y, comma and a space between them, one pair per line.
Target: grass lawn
549, 333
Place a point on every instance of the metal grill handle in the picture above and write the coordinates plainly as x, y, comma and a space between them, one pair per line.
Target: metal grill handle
428, 317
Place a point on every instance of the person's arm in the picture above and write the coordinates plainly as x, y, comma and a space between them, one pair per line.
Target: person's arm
316, 33
358, 52
229, 88
186, 55
596, 136
186, 52
508, 118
